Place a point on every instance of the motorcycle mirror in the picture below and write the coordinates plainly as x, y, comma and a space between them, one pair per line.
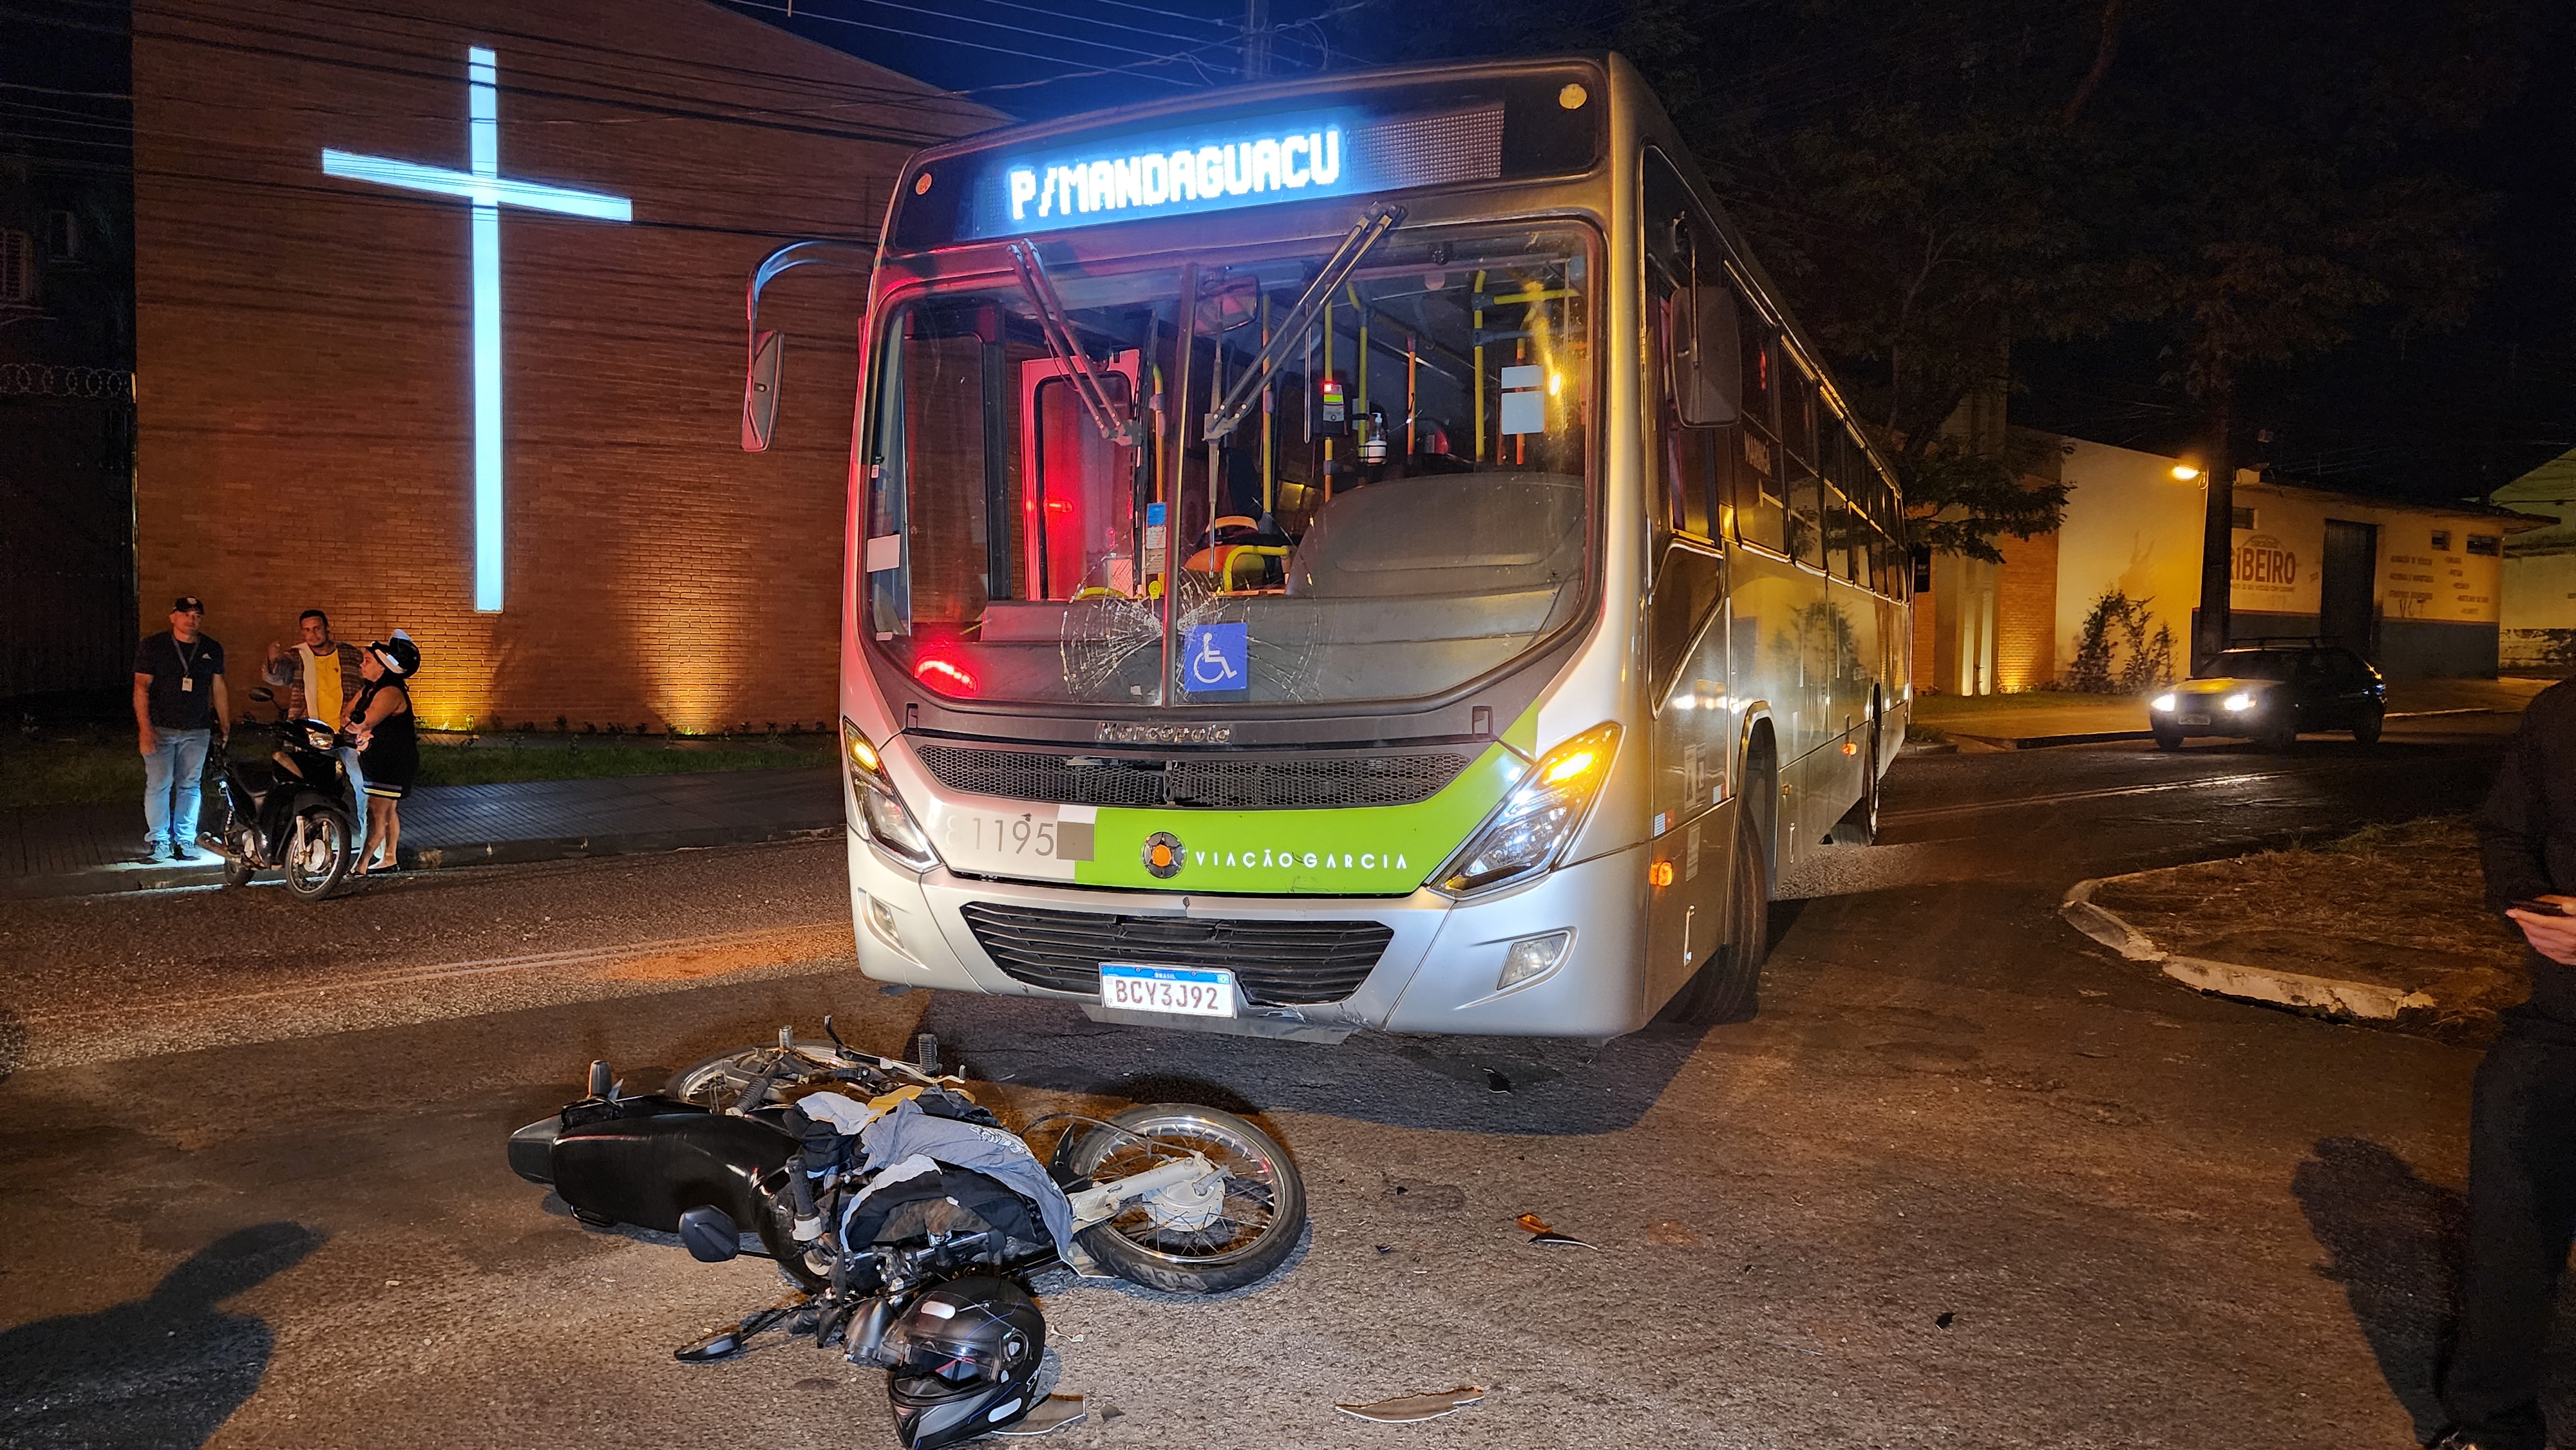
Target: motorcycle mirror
600, 1082
868, 1331
262, 695
708, 1233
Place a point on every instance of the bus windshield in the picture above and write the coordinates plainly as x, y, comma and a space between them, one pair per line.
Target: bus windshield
1405, 508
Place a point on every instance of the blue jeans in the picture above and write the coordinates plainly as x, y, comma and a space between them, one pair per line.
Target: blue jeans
171, 772
357, 787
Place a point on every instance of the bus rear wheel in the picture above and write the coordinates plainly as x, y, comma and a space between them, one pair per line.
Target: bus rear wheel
1728, 989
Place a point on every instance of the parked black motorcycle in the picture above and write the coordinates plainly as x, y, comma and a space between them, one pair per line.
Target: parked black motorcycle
871, 1182
289, 811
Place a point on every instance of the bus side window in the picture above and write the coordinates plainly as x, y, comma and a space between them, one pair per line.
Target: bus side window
1844, 538
1709, 351
1687, 455
1755, 464
1798, 436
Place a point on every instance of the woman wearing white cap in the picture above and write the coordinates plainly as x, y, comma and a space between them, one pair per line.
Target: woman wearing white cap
388, 743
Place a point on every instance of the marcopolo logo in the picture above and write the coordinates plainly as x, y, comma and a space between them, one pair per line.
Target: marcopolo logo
2262, 563
1164, 855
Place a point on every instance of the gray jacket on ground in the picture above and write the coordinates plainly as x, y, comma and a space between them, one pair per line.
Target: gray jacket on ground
993, 1152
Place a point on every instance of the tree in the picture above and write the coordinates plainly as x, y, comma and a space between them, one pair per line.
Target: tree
1933, 182
1959, 499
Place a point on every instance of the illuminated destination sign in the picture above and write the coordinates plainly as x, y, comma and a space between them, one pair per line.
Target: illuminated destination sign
1351, 138
1132, 178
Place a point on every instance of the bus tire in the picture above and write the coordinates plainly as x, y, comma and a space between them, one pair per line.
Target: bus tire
1859, 825
1728, 989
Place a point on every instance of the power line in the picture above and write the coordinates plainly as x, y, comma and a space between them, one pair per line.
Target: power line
921, 35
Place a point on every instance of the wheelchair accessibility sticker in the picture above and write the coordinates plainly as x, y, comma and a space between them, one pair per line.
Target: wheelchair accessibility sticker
1213, 662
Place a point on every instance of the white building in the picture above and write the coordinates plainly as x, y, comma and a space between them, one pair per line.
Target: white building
2414, 588
2539, 608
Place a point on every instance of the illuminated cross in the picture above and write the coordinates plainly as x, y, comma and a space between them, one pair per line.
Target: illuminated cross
489, 191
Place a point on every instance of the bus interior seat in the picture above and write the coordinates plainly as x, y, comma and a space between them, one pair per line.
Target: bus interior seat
1460, 533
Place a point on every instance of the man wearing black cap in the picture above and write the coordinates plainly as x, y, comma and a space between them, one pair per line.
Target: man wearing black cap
178, 700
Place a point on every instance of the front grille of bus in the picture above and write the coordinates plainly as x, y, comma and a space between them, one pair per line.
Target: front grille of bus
1280, 963
1235, 782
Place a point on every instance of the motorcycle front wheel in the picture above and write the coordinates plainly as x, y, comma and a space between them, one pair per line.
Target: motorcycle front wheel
317, 854
1190, 1249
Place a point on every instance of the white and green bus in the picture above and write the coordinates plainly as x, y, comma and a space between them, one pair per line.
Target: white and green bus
1369, 551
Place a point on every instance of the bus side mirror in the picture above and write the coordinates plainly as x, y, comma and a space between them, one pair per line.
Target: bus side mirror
1713, 377
760, 392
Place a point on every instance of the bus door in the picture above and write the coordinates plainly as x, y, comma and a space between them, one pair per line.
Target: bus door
1077, 514
1694, 385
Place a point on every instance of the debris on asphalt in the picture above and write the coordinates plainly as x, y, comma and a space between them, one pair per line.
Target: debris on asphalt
1802, 1349
1408, 1409
1496, 1082
1052, 1414
1673, 1233
1947, 1318
1541, 1232
1416, 1195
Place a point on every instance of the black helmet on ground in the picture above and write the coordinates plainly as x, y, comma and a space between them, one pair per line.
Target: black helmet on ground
965, 1358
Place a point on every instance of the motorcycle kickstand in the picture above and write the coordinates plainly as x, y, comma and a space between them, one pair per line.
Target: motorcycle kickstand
734, 1338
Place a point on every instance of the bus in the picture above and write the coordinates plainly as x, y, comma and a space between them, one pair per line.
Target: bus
1363, 552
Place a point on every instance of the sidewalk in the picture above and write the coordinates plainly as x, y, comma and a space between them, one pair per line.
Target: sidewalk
2034, 721
82, 850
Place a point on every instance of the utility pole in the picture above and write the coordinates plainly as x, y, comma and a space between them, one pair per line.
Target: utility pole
1256, 39
2218, 532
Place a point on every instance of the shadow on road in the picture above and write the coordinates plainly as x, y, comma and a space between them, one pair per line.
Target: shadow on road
157, 1373
2393, 1241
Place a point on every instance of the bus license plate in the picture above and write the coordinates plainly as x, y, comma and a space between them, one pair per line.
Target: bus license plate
1180, 991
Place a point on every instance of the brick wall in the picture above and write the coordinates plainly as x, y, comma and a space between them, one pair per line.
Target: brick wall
304, 393
2026, 613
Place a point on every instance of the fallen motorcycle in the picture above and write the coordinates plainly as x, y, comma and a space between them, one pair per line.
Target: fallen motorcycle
871, 1181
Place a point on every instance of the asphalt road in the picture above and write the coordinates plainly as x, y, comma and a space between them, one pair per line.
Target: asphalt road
1967, 1180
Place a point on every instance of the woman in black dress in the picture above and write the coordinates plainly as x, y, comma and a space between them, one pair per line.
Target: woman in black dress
388, 743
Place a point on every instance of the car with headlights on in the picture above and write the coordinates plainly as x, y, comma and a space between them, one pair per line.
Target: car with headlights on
2273, 693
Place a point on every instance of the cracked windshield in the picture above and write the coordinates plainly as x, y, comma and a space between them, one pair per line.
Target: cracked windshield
1403, 508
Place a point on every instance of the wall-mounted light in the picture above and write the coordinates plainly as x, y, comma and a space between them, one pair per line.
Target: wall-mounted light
2185, 473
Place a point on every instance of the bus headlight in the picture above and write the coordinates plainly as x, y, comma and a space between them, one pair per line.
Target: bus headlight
889, 824
2240, 703
1524, 835
2163, 704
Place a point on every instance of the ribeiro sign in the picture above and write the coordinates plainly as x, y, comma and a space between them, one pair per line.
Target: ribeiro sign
2262, 562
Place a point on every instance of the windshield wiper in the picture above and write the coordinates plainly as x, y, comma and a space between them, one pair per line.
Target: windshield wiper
1057, 328
1372, 228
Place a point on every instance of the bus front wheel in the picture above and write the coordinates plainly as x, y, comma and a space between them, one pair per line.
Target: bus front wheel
1728, 988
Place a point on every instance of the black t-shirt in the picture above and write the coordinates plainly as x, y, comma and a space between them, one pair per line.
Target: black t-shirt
183, 678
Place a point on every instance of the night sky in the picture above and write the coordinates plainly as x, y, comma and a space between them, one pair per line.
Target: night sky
2448, 414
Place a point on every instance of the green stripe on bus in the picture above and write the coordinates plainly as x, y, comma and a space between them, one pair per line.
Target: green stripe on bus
1349, 851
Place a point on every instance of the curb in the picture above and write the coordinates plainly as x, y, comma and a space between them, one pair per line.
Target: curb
112, 881
564, 848
2367, 1001
2045, 742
